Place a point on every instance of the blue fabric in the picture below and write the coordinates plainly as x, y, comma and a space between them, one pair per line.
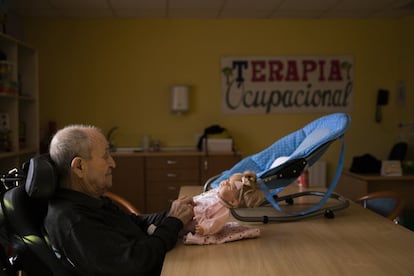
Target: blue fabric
269, 194
299, 144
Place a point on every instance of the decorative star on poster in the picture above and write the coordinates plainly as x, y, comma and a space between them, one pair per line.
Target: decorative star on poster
264, 85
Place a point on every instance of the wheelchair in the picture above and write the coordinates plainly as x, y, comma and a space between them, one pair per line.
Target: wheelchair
24, 197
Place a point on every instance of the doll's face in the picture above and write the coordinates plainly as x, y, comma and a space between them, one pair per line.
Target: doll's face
229, 193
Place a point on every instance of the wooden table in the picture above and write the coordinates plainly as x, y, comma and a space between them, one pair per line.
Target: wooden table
356, 242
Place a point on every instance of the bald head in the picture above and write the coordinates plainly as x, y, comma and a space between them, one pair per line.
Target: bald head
72, 141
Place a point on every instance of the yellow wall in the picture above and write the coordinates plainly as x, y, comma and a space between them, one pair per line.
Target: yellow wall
118, 72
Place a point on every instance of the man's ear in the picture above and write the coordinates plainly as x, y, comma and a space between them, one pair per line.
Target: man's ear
76, 166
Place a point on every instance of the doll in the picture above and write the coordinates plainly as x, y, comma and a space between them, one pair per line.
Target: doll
212, 208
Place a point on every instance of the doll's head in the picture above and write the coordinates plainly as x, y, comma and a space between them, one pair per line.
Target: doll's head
230, 191
241, 190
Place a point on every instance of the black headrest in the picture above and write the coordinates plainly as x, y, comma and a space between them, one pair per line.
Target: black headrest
42, 177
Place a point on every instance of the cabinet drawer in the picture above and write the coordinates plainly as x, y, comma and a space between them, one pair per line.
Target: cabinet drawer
163, 162
168, 188
160, 195
214, 165
172, 174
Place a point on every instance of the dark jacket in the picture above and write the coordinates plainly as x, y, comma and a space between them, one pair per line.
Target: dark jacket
100, 239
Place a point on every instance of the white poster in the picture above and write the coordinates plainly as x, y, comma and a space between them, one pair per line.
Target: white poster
287, 84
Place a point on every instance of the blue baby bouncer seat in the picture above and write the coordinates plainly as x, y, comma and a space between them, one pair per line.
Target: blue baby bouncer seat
284, 161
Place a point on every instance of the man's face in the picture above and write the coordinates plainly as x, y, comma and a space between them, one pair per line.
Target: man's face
98, 170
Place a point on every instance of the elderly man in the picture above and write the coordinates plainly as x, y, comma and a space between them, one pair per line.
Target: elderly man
91, 234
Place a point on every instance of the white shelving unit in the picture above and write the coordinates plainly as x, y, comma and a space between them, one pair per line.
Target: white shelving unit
18, 103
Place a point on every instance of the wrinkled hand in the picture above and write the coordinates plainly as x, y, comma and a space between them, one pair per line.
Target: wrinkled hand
182, 208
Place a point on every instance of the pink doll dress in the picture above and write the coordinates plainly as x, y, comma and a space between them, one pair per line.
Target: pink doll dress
210, 212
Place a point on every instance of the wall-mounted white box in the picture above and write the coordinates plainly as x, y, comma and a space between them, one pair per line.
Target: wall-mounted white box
180, 98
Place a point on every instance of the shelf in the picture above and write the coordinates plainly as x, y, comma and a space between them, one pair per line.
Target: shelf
7, 96
8, 154
20, 106
27, 98
26, 151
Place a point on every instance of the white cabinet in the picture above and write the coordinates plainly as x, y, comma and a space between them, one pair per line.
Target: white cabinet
19, 122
